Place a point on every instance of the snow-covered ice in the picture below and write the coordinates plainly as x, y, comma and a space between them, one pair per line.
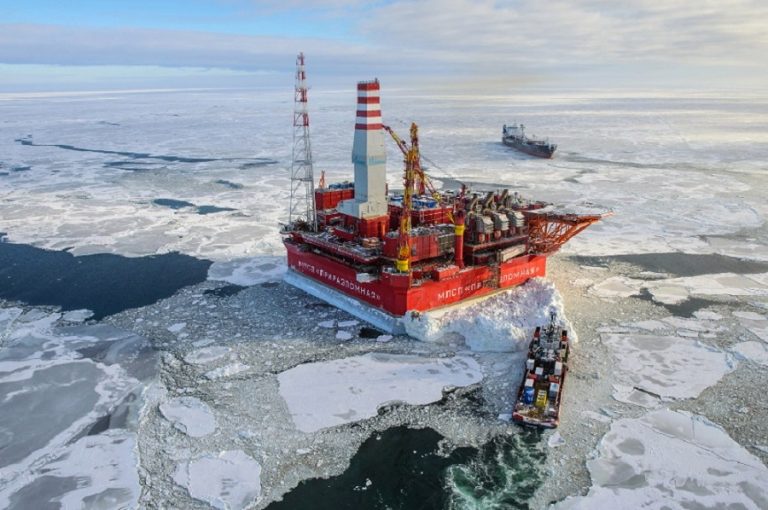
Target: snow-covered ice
754, 351
668, 366
227, 370
94, 472
190, 415
53, 393
206, 354
330, 393
503, 322
248, 271
343, 335
229, 480
675, 460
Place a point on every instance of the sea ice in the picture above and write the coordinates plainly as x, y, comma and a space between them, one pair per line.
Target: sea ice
190, 415
226, 371
56, 383
175, 328
248, 271
616, 287
330, 393
96, 471
754, 351
343, 335
676, 290
668, 366
229, 480
206, 354
503, 322
672, 459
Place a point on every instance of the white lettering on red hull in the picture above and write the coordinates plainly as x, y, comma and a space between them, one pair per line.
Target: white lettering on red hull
457, 292
525, 272
337, 281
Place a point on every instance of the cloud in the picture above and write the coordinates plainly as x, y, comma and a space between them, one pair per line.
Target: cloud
639, 41
576, 31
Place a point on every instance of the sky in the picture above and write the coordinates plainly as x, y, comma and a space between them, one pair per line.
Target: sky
50, 45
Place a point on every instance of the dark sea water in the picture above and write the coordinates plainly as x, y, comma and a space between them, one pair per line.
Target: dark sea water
402, 469
103, 283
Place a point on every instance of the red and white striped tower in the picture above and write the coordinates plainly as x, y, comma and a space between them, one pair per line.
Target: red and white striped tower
368, 156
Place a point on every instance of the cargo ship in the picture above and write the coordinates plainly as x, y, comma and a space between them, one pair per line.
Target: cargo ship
381, 254
540, 393
514, 136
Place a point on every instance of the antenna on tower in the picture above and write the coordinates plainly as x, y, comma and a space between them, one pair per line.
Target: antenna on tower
302, 205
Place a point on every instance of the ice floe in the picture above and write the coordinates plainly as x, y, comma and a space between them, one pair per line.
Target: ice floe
665, 366
190, 415
343, 335
753, 351
56, 384
226, 371
677, 290
669, 459
229, 480
503, 322
672, 291
754, 322
206, 354
330, 393
96, 471
248, 271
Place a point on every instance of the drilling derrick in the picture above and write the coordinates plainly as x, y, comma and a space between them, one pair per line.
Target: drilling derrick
302, 205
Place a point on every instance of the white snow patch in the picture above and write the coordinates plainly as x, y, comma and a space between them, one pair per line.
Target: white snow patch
671, 367
227, 370
330, 393
501, 323
327, 324
190, 415
229, 480
675, 460
206, 354
384, 338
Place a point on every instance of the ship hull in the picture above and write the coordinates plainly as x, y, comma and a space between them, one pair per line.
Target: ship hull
539, 152
397, 295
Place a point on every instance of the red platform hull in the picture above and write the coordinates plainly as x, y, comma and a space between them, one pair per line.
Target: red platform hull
396, 294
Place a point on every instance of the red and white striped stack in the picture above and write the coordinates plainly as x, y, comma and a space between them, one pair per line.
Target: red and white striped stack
368, 106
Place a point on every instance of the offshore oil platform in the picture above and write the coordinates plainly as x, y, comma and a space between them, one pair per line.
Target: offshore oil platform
379, 254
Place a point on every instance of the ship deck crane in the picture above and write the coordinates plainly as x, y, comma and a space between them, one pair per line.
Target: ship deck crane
420, 177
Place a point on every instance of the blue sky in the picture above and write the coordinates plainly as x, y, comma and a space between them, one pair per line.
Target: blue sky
493, 44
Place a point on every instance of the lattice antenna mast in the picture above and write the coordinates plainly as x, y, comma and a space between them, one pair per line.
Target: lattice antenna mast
302, 206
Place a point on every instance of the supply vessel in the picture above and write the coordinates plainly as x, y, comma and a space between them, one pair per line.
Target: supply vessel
538, 399
380, 254
514, 136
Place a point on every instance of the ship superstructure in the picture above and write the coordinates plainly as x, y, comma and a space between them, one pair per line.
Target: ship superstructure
381, 254
514, 136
